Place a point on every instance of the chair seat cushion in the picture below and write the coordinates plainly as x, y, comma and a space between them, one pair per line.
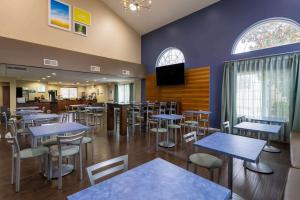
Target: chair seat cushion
292, 185
160, 130
174, 126
49, 142
67, 150
33, 152
205, 160
295, 149
191, 122
86, 140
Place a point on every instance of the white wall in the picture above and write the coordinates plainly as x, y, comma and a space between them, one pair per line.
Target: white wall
108, 36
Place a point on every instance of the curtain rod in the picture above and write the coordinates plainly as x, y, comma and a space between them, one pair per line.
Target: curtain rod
262, 56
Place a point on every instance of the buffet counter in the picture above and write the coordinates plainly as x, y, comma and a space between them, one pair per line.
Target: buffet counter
57, 106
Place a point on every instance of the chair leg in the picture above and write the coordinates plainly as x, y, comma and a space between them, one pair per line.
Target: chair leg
92, 146
187, 165
86, 151
49, 167
18, 172
195, 169
219, 174
211, 174
157, 141
80, 163
13, 170
60, 172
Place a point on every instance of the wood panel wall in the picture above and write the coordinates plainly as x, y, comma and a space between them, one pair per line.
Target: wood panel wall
194, 95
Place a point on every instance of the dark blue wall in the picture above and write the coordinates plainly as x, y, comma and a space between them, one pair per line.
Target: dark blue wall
206, 38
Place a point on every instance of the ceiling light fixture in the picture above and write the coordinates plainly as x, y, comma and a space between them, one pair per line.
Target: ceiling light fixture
136, 5
43, 78
48, 76
54, 74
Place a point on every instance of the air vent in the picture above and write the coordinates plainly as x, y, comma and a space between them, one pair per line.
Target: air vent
126, 72
16, 68
95, 68
51, 62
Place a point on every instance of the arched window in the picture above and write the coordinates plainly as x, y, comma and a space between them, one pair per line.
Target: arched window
268, 33
170, 56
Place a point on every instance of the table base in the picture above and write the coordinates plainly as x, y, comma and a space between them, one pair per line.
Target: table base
271, 149
236, 197
259, 167
66, 169
167, 144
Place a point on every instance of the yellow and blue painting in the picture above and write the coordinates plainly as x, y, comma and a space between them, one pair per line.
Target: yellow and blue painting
59, 15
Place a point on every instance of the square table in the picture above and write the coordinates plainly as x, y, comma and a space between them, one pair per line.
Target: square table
269, 120
34, 117
261, 128
157, 179
28, 112
28, 108
234, 146
172, 117
56, 129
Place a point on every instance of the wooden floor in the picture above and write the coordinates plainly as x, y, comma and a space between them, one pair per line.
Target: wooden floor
247, 184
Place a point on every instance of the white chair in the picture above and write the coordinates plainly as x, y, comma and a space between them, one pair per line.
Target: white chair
226, 127
95, 176
18, 155
67, 146
204, 160
157, 129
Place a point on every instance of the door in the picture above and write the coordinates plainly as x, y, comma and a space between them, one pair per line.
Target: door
6, 96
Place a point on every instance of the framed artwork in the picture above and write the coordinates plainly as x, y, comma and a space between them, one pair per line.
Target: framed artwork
81, 16
59, 15
80, 29
41, 89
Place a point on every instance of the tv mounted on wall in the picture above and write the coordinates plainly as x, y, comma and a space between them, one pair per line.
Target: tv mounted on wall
170, 75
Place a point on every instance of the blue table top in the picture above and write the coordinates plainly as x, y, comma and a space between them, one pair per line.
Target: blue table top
40, 117
168, 117
268, 119
57, 129
236, 146
94, 108
27, 112
157, 179
259, 127
27, 108
198, 112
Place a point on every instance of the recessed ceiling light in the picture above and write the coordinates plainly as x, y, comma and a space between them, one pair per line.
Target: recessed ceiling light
60, 82
77, 83
133, 7
54, 74
43, 78
38, 80
104, 78
87, 81
48, 76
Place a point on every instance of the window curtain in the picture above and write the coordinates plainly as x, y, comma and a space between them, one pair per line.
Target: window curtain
295, 93
258, 88
116, 94
131, 91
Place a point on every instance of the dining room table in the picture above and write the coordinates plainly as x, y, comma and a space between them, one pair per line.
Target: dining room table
55, 129
260, 129
27, 112
168, 118
156, 179
233, 146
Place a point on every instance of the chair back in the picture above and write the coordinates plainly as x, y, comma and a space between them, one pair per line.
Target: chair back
97, 167
13, 141
70, 139
63, 118
173, 106
189, 138
226, 127
162, 107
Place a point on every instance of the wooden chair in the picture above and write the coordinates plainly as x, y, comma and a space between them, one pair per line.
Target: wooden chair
203, 160
18, 155
95, 176
67, 146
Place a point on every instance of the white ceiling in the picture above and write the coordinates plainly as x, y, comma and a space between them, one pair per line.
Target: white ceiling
61, 77
161, 13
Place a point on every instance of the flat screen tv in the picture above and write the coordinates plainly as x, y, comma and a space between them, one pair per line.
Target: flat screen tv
170, 75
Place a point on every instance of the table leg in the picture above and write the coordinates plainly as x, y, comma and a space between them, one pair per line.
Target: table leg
167, 143
34, 142
269, 148
259, 167
230, 180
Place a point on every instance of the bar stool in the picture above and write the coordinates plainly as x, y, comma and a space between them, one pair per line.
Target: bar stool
116, 118
89, 117
98, 117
